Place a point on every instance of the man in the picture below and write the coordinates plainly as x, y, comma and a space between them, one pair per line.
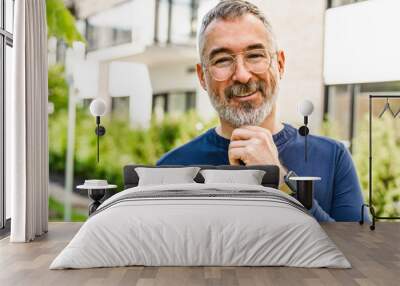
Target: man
240, 69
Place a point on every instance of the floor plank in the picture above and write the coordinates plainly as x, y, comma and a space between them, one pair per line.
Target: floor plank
374, 255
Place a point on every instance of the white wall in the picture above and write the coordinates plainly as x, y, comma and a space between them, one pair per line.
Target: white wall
203, 104
173, 77
299, 27
130, 79
85, 73
363, 43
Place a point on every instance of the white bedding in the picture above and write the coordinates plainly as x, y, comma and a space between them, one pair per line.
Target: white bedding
185, 230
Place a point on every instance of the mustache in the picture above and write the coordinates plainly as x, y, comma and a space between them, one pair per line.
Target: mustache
238, 89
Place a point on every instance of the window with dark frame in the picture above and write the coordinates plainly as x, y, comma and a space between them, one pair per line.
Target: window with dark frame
6, 44
168, 27
173, 102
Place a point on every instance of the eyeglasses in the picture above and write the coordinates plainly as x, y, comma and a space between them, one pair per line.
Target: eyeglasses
223, 65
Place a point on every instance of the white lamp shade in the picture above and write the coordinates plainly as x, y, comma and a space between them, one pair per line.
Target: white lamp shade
306, 107
97, 107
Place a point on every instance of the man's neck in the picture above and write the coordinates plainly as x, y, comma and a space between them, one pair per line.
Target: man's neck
271, 123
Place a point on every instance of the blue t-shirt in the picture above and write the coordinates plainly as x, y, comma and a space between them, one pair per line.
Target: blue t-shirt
337, 197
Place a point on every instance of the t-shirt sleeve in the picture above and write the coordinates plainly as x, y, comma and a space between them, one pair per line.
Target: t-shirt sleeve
347, 196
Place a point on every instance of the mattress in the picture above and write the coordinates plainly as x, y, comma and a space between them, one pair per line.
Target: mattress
201, 225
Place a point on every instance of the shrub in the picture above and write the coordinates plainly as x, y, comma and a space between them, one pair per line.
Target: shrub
385, 163
385, 167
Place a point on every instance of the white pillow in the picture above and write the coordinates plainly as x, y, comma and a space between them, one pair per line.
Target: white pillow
164, 176
249, 177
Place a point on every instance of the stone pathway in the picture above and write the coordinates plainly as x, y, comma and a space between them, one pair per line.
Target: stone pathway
78, 202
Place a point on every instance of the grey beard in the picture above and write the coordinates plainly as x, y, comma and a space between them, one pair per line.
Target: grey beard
245, 114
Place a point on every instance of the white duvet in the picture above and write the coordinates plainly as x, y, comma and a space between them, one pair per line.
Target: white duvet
184, 230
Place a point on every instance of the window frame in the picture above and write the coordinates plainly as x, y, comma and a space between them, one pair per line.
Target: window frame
6, 39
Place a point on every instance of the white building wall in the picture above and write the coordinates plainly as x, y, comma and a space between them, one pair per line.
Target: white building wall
299, 27
83, 72
130, 79
168, 77
203, 104
86, 8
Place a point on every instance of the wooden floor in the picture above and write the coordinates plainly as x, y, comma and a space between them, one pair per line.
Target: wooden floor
374, 255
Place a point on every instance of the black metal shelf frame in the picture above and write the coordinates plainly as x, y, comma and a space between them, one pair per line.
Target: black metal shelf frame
370, 204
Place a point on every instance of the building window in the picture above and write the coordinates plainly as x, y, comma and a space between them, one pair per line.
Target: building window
175, 21
337, 3
110, 27
120, 106
6, 44
348, 106
174, 103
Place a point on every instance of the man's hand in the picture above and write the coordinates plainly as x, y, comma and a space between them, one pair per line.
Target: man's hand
254, 145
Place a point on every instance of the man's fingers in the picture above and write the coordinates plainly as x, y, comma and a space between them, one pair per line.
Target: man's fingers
246, 134
258, 129
243, 143
254, 128
235, 155
243, 134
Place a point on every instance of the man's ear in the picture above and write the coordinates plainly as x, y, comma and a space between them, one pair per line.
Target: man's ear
281, 63
201, 76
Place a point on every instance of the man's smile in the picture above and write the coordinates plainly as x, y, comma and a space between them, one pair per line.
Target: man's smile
246, 97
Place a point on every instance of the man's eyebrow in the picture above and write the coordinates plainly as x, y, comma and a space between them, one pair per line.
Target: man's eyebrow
219, 50
255, 46
226, 50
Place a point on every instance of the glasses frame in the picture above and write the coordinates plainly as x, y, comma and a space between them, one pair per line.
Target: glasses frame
271, 54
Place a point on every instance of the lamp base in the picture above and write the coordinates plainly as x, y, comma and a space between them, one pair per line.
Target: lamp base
100, 130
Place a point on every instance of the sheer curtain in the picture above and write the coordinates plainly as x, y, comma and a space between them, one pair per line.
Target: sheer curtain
26, 122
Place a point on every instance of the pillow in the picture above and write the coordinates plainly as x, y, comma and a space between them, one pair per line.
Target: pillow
163, 176
249, 177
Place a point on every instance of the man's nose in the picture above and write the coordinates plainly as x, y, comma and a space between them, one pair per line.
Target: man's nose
241, 73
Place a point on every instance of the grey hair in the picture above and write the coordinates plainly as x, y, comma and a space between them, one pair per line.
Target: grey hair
231, 9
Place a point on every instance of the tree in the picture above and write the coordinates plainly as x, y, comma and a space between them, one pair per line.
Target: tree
61, 23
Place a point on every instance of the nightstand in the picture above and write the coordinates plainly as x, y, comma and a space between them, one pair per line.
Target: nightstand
97, 190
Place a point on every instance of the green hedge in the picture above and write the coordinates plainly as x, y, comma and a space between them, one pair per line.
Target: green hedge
385, 163
56, 212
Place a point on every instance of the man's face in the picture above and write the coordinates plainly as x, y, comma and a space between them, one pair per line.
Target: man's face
246, 97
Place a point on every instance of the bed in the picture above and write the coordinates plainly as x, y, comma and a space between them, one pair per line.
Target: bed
201, 224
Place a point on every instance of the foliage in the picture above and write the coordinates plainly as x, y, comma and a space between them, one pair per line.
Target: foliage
61, 23
56, 212
385, 163
121, 144
330, 128
385, 169
58, 87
